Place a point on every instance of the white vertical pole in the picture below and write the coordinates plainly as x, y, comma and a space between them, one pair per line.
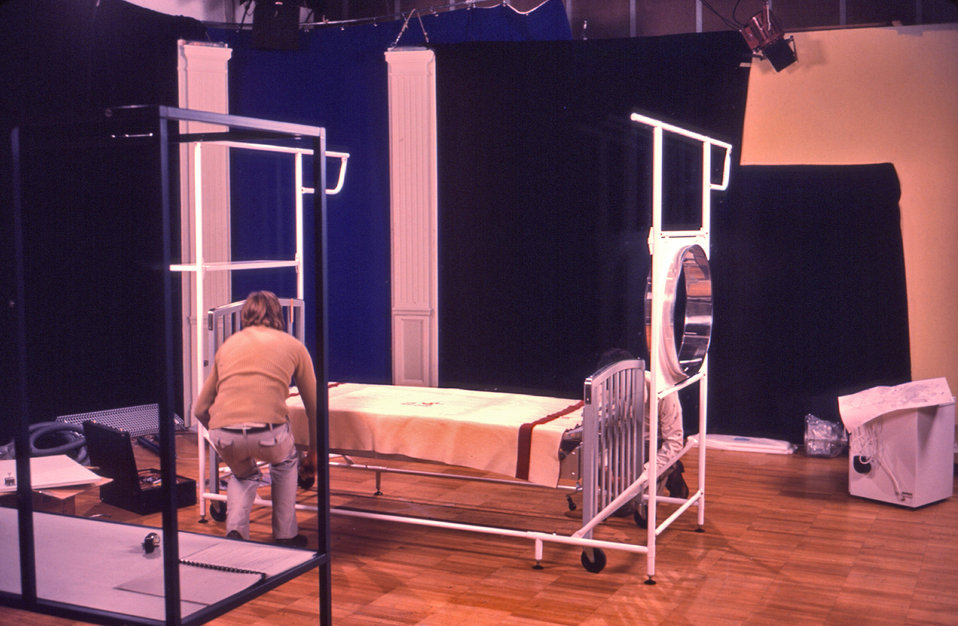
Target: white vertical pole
703, 417
200, 262
198, 370
298, 195
706, 189
659, 271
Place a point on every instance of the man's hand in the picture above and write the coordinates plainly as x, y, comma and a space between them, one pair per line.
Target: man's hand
203, 418
307, 470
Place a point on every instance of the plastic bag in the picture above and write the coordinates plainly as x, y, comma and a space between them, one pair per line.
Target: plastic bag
824, 438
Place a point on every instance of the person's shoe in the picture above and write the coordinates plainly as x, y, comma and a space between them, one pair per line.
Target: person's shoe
675, 483
299, 541
234, 534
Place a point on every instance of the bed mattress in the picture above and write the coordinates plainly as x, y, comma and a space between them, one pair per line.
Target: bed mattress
510, 434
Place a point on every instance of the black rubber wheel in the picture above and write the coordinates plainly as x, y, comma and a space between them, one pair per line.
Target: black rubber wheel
597, 563
641, 516
218, 510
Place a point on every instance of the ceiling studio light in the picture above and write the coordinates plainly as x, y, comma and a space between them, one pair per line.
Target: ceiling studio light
764, 35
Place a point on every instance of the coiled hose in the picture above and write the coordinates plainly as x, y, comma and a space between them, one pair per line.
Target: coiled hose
50, 438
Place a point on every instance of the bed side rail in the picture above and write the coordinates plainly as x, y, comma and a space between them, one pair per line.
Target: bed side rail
613, 420
223, 321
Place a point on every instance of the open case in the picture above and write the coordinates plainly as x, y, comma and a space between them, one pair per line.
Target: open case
140, 491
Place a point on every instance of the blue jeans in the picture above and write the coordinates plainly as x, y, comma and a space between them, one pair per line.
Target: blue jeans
241, 451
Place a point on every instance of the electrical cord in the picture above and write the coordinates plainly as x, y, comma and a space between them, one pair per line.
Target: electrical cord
730, 23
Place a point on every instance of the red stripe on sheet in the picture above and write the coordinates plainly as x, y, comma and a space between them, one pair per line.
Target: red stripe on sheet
525, 439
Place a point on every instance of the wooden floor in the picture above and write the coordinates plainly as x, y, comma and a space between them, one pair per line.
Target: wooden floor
783, 543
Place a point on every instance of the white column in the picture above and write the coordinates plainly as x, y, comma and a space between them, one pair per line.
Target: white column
413, 216
203, 85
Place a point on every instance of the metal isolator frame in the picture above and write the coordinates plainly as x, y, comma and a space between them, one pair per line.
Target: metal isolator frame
675, 254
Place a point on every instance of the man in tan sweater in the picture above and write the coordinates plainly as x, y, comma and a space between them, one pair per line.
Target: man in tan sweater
243, 404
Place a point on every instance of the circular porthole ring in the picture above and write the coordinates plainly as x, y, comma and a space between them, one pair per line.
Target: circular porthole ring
683, 355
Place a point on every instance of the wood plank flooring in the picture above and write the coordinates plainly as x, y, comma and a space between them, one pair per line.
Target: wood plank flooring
784, 542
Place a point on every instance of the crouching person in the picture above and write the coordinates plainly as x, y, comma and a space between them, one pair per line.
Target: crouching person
243, 404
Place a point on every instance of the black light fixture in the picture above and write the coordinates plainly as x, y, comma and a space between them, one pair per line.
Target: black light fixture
276, 25
764, 35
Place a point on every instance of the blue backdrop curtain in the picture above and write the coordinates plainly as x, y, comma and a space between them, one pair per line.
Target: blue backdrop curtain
337, 79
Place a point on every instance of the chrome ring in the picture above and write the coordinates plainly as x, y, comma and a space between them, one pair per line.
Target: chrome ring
683, 354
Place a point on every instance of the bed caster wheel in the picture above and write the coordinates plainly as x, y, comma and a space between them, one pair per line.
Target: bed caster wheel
596, 563
641, 516
218, 510
570, 502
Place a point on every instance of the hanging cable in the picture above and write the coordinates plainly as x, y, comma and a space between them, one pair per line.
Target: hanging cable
402, 30
425, 35
735, 12
731, 24
315, 21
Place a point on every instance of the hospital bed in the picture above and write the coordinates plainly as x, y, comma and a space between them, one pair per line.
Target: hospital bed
594, 445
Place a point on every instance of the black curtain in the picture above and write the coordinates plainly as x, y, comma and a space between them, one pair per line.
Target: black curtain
543, 225
544, 195
85, 249
810, 298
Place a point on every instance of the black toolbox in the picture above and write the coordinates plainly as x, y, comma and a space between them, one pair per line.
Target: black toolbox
111, 451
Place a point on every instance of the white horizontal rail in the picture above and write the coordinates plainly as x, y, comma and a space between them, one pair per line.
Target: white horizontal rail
492, 530
694, 500
384, 469
681, 385
705, 139
474, 528
225, 266
265, 147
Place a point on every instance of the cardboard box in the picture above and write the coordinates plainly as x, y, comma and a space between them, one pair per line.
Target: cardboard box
904, 457
61, 500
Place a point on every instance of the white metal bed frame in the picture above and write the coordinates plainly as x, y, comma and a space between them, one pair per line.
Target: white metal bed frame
612, 459
611, 453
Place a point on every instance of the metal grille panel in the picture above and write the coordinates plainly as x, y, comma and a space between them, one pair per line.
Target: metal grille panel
613, 433
143, 419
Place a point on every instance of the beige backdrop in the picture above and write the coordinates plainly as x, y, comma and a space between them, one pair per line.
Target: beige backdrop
876, 95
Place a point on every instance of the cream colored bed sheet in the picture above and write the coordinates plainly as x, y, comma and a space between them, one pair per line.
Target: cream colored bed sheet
476, 429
